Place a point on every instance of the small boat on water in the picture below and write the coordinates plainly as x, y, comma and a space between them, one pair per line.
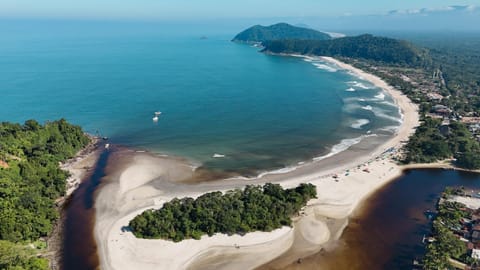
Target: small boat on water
155, 118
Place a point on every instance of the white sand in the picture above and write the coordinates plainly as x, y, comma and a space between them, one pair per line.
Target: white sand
472, 203
79, 166
144, 184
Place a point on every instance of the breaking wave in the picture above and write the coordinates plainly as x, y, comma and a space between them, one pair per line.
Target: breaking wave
358, 124
344, 145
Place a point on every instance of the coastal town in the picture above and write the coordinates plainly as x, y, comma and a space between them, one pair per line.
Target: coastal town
455, 238
437, 105
429, 90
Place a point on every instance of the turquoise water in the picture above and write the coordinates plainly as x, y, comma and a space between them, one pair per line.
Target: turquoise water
216, 97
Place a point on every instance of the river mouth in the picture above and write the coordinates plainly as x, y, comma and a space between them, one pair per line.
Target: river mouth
79, 250
387, 231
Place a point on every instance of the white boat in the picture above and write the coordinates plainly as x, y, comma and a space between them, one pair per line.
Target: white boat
155, 118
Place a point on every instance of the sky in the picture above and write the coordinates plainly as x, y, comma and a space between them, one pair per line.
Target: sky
208, 9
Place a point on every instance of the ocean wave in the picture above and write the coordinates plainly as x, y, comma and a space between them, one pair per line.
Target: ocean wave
354, 74
218, 155
391, 104
279, 171
358, 124
392, 129
361, 85
380, 96
351, 89
344, 145
352, 108
310, 58
382, 114
325, 67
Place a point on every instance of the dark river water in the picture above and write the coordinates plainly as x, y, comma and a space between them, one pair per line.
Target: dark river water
386, 233
79, 247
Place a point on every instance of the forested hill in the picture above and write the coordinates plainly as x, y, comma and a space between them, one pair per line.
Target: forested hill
366, 46
278, 31
30, 182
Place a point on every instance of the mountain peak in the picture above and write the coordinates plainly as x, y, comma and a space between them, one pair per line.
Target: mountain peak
278, 31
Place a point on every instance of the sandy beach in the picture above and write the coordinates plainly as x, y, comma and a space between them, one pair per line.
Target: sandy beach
143, 181
79, 165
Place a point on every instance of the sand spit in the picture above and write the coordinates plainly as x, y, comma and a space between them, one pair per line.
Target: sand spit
142, 181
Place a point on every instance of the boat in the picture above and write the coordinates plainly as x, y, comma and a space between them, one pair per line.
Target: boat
155, 118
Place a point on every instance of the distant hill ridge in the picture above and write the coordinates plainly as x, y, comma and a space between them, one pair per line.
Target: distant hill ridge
278, 31
365, 46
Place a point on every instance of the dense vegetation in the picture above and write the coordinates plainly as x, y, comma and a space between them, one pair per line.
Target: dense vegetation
260, 33
369, 47
30, 182
446, 245
457, 55
429, 145
255, 208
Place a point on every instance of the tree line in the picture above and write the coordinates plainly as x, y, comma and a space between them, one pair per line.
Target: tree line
429, 145
381, 49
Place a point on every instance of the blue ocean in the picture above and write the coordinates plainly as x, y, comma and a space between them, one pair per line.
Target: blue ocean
224, 106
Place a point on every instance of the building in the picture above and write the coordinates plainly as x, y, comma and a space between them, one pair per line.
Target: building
476, 254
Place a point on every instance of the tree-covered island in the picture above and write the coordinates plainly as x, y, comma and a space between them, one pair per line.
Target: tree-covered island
255, 208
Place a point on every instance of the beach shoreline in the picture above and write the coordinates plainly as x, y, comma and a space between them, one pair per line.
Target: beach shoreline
147, 181
80, 164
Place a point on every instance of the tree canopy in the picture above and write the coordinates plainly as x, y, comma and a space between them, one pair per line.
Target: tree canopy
365, 46
255, 208
31, 180
278, 31
429, 145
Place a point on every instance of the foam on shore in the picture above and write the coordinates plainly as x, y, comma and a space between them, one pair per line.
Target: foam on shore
325, 67
343, 145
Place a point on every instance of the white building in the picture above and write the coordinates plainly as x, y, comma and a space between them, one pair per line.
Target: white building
476, 254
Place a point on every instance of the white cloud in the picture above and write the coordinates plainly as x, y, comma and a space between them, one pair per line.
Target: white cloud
425, 11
